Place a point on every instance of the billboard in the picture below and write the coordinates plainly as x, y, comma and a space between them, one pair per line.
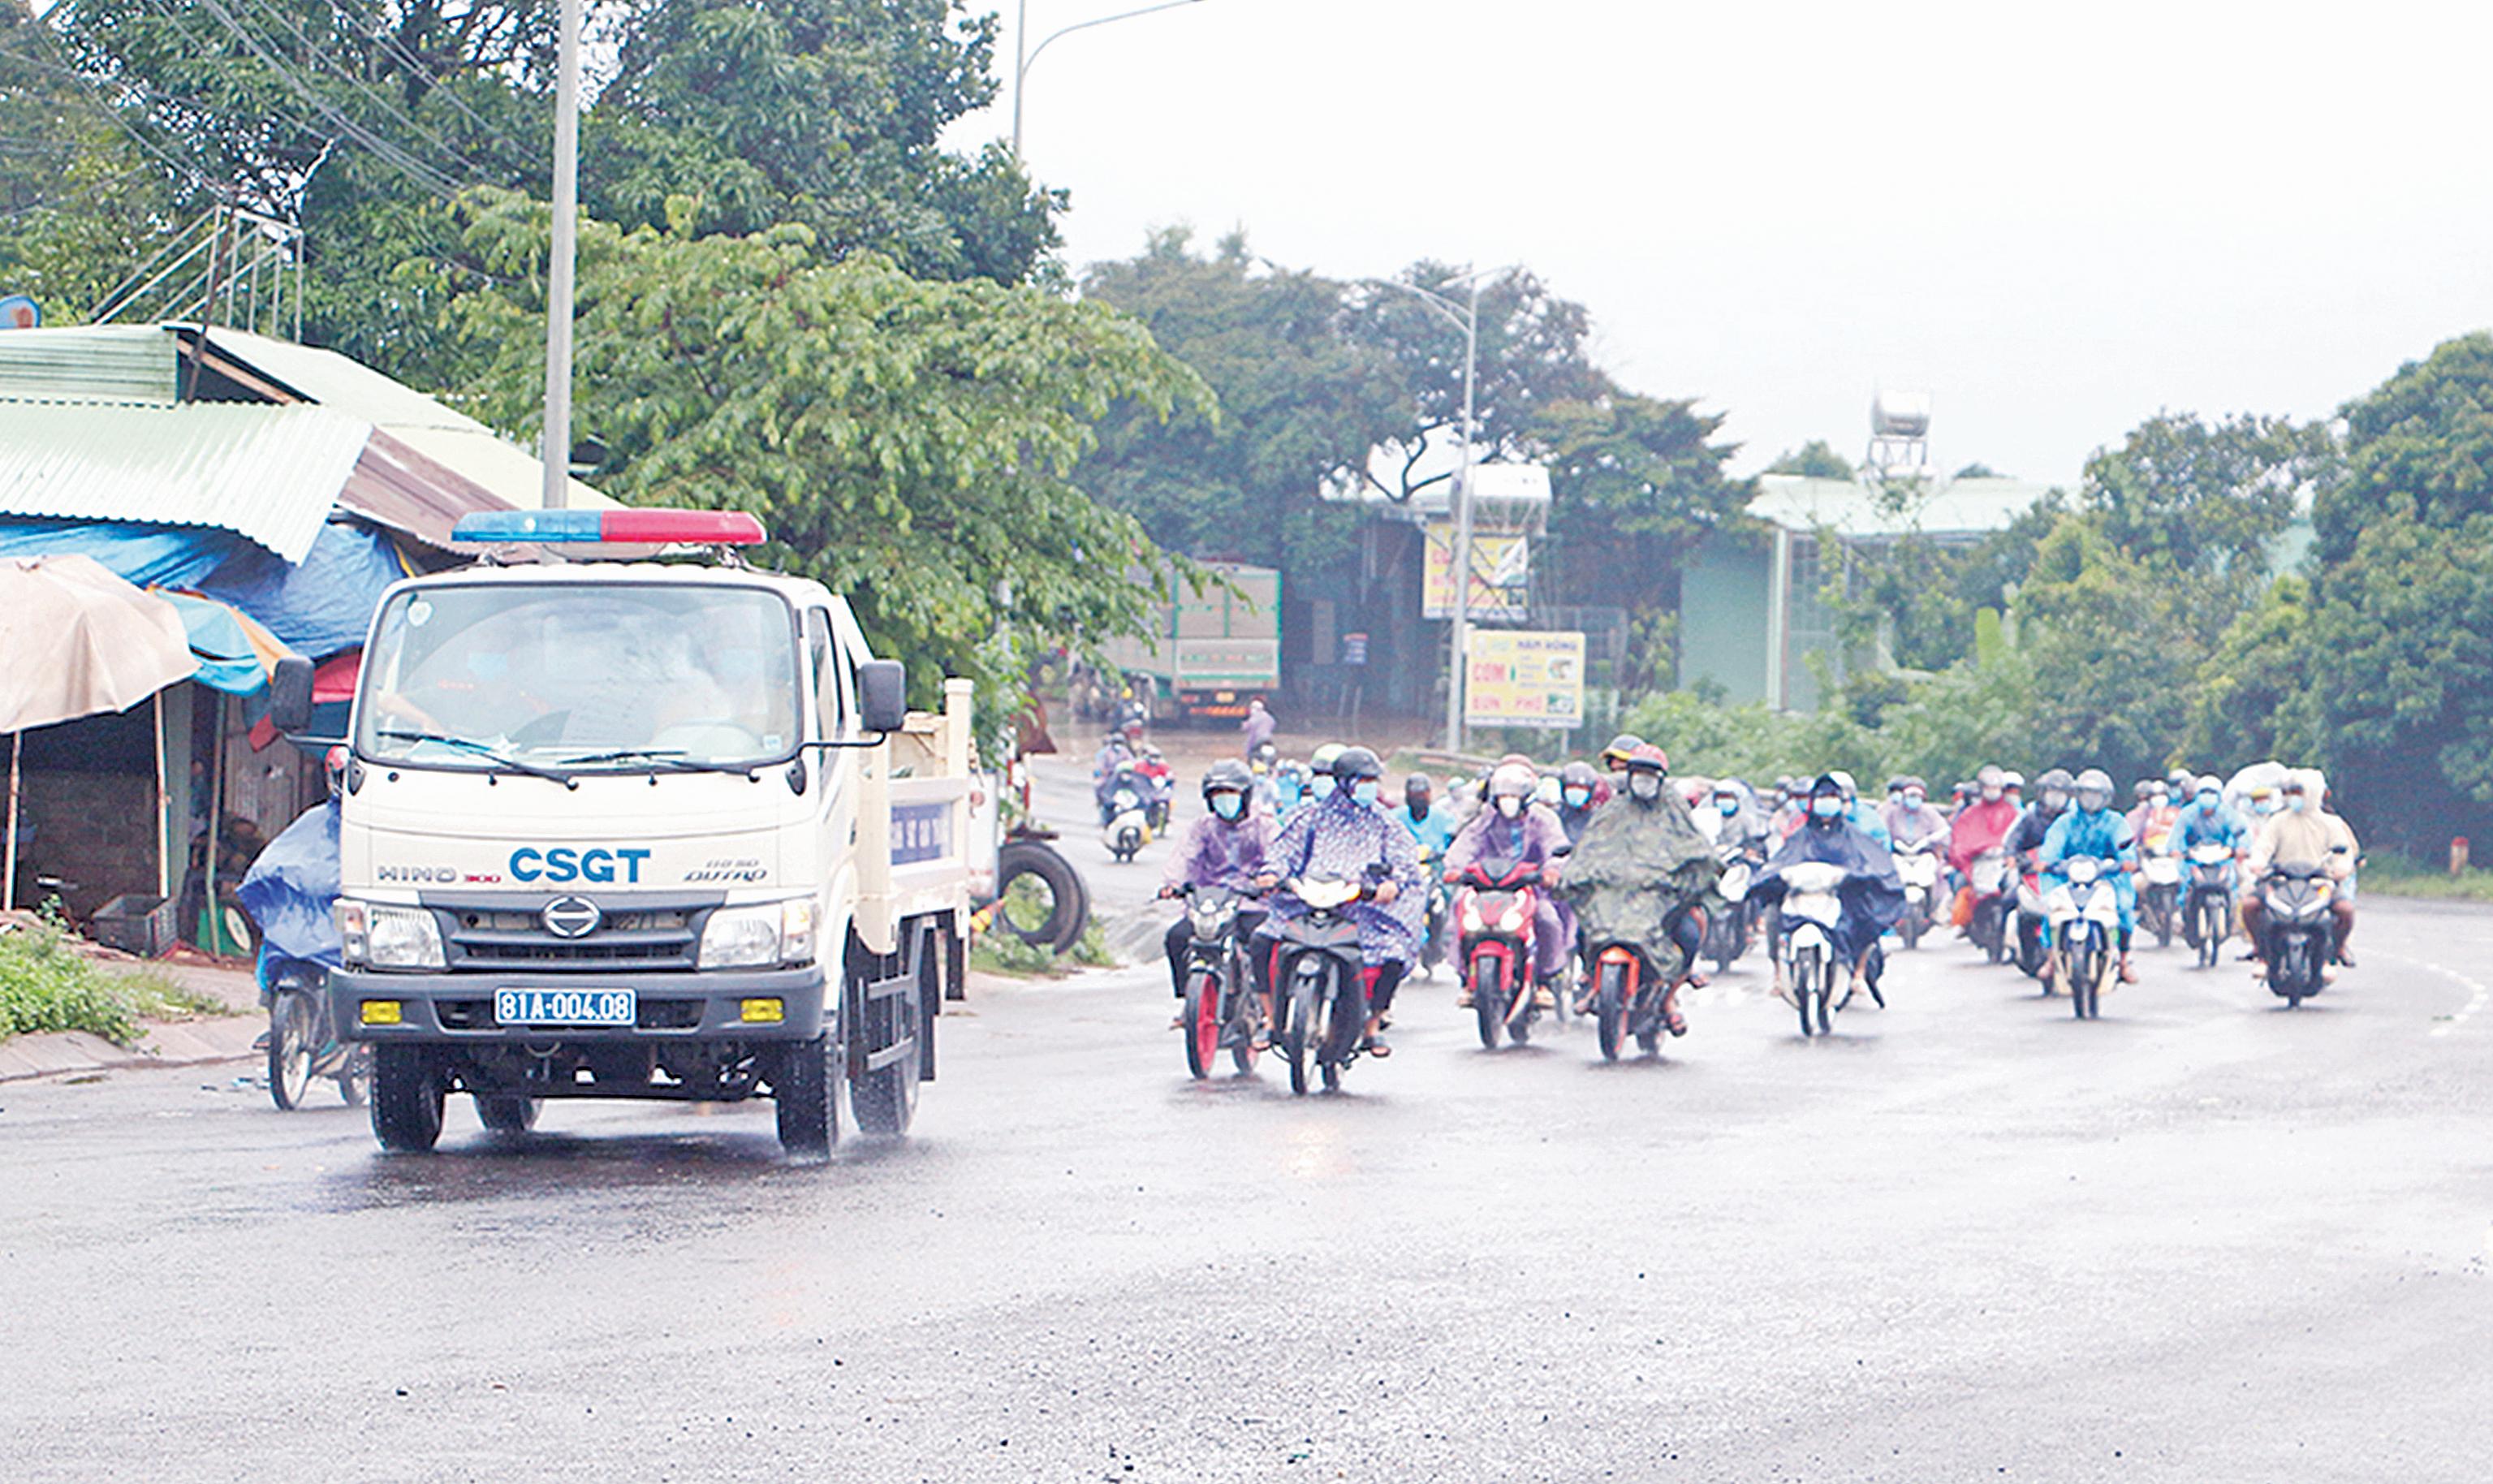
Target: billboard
1524, 677
1501, 575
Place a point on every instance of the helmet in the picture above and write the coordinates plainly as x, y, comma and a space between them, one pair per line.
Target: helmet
1898, 784
1836, 783
1228, 773
2209, 783
1645, 757
1990, 775
2012, 779
2180, 781
1578, 776
1844, 781
1513, 781
2141, 789
1418, 786
1131, 726
1321, 760
1265, 755
1731, 786
1546, 788
2059, 777
2095, 783
1615, 756
1350, 763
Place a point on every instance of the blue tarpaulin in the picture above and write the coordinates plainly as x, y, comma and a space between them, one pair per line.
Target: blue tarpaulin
143, 555
290, 890
227, 660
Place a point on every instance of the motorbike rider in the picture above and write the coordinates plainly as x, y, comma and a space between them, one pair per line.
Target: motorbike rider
1643, 874
1123, 748
2052, 801
2151, 817
1518, 828
2302, 833
1257, 727
1318, 784
1614, 757
1743, 823
1864, 817
1579, 790
1871, 894
1224, 851
1910, 820
1346, 837
1983, 824
2090, 827
1431, 825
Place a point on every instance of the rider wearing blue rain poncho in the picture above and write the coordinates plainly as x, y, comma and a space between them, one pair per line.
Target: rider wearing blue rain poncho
2091, 827
1872, 895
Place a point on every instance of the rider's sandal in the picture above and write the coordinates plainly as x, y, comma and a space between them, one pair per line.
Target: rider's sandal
1375, 1047
1675, 1023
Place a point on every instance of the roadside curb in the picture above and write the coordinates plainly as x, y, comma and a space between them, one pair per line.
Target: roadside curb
163, 1044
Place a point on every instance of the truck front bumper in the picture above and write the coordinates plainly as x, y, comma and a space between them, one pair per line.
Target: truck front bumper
676, 1006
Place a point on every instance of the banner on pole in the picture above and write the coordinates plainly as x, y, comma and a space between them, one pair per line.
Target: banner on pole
1524, 677
1501, 575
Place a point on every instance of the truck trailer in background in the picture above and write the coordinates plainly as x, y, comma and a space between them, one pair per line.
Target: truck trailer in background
1210, 652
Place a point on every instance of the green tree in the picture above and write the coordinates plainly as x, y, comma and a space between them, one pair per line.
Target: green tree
2208, 501
1813, 460
80, 201
906, 440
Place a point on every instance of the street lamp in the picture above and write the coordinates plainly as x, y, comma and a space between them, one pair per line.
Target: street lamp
1465, 317
1024, 55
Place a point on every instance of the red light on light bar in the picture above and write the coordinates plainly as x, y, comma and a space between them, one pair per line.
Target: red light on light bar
689, 528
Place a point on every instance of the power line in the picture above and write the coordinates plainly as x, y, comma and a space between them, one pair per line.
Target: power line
435, 83
379, 100
414, 169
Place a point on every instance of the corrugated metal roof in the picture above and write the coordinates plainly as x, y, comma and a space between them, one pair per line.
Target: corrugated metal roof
89, 363
269, 473
441, 432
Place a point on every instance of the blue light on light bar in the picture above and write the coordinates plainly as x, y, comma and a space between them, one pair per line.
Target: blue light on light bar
498, 525
631, 527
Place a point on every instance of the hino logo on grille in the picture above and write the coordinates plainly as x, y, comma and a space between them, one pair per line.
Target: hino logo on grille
570, 916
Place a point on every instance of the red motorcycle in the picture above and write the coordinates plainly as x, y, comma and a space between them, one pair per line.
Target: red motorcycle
1494, 910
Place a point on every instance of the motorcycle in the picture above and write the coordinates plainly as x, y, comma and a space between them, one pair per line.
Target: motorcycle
1812, 967
1323, 983
2207, 911
302, 1043
2159, 891
1992, 901
1159, 785
1919, 866
1628, 992
1496, 911
2299, 936
1125, 825
1727, 933
2086, 926
2032, 913
1433, 947
1220, 1009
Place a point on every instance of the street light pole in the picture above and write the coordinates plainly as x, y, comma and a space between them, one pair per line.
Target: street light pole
1026, 55
555, 451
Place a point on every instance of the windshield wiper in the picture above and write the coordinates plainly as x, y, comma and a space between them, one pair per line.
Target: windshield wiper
483, 750
668, 758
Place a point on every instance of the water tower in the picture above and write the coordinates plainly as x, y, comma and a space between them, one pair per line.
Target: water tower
1900, 436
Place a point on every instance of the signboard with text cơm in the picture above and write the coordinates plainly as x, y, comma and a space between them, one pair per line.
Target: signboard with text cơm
1501, 575
1526, 677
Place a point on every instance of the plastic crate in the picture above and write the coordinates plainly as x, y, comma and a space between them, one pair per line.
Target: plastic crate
145, 925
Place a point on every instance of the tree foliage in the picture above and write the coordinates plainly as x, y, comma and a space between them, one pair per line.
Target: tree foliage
909, 441
1813, 460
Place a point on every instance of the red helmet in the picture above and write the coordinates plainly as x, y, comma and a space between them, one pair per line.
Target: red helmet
1646, 756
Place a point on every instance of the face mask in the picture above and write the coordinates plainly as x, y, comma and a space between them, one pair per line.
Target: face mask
1321, 785
1913, 801
1364, 791
1228, 805
1509, 806
1728, 806
1577, 798
2095, 803
2265, 806
2054, 801
2208, 799
1827, 807
1644, 785
2298, 802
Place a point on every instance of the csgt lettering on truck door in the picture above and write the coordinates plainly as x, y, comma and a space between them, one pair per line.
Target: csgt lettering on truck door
561, 863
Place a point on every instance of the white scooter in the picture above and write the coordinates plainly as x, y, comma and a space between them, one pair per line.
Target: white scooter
1128, 826
1813, 969
1918, 866
2086, 928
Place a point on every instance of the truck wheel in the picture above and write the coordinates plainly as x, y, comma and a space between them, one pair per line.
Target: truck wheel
1066, 909
884, 1098
406, 1099
806, 1091
508, 1116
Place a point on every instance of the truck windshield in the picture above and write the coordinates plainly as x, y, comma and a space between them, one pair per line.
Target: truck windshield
580, 678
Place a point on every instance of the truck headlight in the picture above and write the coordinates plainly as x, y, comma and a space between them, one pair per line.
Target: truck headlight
387, 937
761, 936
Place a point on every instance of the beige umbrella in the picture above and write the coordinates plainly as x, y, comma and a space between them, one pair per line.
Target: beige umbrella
79, 641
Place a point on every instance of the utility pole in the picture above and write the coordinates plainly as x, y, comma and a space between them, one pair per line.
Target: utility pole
1026, 55
1458, 666
556, 450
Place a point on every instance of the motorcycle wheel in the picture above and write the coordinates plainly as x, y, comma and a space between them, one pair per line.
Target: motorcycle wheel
2164, 916
1202, 1023
290, 1050
1609, 1009
1243, 1054
1299, 1040
2212, 931
1489, 1000
1826, 999
1804, 982
355, 1083
2081, 972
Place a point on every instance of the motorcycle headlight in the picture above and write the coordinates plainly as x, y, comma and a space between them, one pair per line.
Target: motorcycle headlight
1512, 921
763, 935
388, 937
1471, 915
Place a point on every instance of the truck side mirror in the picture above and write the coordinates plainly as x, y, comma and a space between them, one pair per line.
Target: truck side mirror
290, 694
882, 695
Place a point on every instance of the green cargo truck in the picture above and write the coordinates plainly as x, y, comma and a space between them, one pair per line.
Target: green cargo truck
1210, 652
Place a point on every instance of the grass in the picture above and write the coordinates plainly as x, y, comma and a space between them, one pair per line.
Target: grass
998, 950
2387, 875
46, 985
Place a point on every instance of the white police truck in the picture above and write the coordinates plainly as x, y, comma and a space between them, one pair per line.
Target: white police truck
642, 830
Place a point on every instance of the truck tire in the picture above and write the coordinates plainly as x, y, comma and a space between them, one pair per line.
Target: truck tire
406, 1099
806, 1091
885, 1098
507, 1114
1068, 902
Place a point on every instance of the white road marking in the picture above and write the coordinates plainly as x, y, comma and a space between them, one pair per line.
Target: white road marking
2477, 994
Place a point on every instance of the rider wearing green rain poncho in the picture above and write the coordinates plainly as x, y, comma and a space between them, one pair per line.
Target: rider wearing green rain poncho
1644, 875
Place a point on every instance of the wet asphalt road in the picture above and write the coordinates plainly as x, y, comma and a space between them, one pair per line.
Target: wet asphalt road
2202, 1240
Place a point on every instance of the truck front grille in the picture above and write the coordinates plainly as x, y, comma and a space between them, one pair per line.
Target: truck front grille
508, 932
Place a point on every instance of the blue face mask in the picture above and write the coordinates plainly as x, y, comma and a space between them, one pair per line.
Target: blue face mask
1228, 805
1321, 785
1577, 798
1364, 791
1729, 806
1827, 808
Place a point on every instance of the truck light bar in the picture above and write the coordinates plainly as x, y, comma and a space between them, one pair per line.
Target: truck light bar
635, 527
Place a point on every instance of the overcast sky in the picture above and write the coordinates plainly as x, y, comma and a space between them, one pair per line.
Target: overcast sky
2055, 219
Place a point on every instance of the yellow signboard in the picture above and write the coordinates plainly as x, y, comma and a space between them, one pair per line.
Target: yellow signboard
1521, 677
1501, 575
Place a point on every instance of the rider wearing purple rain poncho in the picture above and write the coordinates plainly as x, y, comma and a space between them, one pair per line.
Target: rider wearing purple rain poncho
1348, 837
